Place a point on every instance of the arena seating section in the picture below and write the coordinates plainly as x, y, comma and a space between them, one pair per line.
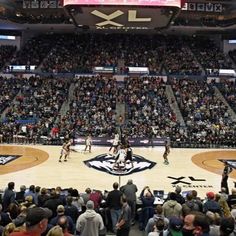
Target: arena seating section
32, 107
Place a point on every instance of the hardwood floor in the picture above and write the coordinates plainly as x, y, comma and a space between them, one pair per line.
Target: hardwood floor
198, 169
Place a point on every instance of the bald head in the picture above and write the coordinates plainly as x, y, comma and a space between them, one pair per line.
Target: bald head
63, 222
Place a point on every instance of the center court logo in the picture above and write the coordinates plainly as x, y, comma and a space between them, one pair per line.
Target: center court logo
105, 162
4, 159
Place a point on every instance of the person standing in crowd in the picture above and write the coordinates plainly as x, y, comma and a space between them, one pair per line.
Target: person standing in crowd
179, 198
166, 153
211, 204
129, 191
63, 223
65, 151
152, 221
60, 213
20, 196
225, 175
201, 225
171, 207
232, 199
89, 223
114, 204
124, 222
88, 143
8, 196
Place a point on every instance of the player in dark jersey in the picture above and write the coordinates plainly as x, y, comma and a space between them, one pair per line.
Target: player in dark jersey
65, 150
166, 153
129, 155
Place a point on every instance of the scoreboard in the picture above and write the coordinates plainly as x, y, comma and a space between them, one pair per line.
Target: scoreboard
160, 3
122, 14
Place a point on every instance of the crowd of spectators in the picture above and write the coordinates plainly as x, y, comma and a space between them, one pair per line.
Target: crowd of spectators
205, 21
8, 90
63, 53
34, 50
92, 109
175, 214
206, 116
54, 18
6, 53
32, 107
148, 109
208, 53
35, 109
179, 60
228, 89
81, 53
232, 54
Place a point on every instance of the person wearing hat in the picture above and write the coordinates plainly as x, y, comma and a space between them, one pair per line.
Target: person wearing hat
60, 213
211, 204
90, 222
175, 226
36, 222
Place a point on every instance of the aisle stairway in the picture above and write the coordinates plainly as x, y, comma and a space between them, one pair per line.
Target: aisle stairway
66, 105
221, 97
174, 106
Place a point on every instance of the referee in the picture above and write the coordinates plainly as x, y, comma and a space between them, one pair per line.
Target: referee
225, 175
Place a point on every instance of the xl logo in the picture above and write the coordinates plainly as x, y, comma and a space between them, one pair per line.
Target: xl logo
179, 180
108, 19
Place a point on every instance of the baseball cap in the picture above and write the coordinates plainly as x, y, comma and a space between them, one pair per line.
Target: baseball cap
210, 195
175, 226
60, 210
36, 214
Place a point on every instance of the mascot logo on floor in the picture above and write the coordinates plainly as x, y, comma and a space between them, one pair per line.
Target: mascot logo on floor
4, 159
230, 162
106, 163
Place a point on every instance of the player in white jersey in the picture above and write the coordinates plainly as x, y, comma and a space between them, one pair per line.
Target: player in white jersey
88, 143
120, 158
115, 143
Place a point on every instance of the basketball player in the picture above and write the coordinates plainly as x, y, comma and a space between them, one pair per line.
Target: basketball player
65, 150
129, 155
115, 144
88, 143
120, 157
225, 175
166, 153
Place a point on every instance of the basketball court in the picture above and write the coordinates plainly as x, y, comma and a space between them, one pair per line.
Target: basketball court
198, 169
